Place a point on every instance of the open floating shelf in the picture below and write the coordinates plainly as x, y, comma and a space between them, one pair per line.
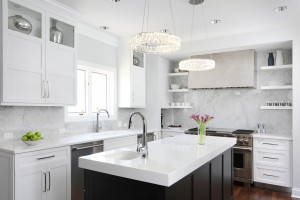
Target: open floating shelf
179, 74
279, 67
179, 90
276, 107
283, 87
179, 107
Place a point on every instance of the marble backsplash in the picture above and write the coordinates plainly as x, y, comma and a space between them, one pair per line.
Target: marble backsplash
21, 119
239, 107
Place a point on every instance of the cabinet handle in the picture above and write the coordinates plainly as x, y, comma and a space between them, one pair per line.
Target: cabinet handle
49, 177
271, 158
45, 182
42, 158
271, 175
44, 90
87, 147
270, 144
48, 89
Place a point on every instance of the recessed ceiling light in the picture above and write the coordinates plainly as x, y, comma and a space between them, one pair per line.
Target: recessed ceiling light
215, 21
280, 9
104, 28
115, 1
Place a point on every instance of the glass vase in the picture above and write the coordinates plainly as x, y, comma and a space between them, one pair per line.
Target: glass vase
202, 133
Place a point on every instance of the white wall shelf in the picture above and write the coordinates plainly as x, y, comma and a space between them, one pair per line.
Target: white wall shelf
279, 67
179, 107
179, 90
179, 74
276, 107
283, 87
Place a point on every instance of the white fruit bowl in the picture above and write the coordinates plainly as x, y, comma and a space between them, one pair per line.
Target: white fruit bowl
33, 143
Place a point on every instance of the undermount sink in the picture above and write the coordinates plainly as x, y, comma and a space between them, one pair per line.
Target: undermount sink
123, 155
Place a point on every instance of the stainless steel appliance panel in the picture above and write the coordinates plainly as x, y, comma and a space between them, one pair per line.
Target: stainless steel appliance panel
77, 176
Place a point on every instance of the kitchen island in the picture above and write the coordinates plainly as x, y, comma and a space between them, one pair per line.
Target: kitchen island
176, 168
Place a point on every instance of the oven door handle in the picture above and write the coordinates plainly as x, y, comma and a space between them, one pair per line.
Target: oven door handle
243, 148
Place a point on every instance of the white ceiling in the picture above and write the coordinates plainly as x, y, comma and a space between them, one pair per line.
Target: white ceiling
238, 16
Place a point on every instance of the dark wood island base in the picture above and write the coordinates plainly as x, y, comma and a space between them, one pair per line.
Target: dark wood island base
212, 181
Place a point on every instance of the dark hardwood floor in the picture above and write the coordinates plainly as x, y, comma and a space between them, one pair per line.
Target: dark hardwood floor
252, 193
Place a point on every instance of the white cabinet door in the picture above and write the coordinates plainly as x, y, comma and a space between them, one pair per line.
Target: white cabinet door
138, 77
60, 75
30, 184
23, 70
58, 178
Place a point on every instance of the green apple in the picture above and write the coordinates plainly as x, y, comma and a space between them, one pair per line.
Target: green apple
24, 138
34, 138
29, 134
38, 134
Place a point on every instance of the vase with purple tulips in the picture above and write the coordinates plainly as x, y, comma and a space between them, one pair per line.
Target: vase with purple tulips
202, 121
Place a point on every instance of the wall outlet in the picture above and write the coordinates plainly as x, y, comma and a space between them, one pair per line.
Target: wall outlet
61, 130
8, 135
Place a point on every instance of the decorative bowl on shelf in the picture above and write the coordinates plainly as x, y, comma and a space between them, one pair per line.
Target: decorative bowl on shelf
175, 86
33, 143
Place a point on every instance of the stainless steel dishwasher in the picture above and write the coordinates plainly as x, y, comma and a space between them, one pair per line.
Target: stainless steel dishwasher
77, 177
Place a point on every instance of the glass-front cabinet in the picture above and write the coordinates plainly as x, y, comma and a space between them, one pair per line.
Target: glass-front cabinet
25, 19
39, 55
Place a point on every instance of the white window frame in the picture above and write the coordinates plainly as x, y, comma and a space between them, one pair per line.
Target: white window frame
112, 81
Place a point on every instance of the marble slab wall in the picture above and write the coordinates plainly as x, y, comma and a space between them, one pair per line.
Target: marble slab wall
19, 120
240, 107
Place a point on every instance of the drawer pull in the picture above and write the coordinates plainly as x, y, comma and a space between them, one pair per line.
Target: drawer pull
270, 158
270, 144
271, 175
46, 157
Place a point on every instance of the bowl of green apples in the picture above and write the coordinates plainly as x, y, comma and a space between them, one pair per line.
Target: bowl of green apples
32, 139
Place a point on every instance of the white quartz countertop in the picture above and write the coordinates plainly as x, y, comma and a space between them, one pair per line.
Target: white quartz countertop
16, 146
169, 159
271, 136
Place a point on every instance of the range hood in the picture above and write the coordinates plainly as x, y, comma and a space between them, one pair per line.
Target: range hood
234, 69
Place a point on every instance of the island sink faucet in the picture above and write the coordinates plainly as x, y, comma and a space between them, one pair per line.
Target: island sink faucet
98, 113
144, 148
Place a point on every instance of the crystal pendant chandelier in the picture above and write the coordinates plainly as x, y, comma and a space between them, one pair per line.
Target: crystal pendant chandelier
155, 42
197, 64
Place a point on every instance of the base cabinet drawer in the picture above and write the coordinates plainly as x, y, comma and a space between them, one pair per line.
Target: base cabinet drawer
272, 158
272, 175
271, 144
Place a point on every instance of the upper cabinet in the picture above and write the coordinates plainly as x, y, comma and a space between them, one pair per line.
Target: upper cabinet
39, 56
131, 77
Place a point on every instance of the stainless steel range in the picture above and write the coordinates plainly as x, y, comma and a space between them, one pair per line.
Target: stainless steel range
243, 157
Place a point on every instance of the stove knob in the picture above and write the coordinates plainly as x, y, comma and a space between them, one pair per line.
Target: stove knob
246, 140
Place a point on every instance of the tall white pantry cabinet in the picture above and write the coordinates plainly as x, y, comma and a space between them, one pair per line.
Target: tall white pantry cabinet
34, 69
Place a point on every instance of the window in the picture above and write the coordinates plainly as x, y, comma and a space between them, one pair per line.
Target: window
96, 89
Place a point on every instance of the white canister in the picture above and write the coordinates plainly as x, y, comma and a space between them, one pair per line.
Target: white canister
279, 58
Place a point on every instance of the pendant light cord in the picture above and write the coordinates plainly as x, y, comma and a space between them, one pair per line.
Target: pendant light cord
144, 16
206, 35
172, 17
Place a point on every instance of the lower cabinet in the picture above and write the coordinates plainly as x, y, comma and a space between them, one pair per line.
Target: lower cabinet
272, 163
43, 175
212, 181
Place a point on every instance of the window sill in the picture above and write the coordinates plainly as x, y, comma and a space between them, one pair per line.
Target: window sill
87, 117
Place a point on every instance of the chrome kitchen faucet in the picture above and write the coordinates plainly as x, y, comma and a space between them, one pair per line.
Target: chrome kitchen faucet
97, 125
144, 148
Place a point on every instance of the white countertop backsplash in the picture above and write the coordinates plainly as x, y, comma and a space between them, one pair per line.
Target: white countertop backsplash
169, 159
